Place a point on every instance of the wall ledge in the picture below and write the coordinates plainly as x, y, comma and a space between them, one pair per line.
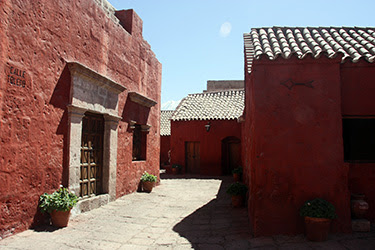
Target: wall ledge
142, 100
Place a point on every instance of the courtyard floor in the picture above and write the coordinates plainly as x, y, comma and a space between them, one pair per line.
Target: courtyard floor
181, 213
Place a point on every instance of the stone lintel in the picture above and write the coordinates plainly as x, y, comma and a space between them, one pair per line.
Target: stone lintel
142, 100
76, 68
75, 110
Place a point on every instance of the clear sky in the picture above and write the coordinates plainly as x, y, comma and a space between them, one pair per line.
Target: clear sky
200, 40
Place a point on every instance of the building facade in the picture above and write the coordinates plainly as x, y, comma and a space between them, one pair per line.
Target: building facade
206, 132
165, 137
309, 123
79, 105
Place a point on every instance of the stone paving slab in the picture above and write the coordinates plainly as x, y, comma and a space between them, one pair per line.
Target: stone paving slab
182, 213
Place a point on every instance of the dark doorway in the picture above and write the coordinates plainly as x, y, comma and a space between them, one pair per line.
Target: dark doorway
231, 154
91, 155
192, 155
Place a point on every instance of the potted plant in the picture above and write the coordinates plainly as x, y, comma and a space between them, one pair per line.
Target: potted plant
148, 181
237, 191
58, 205
176, 168
237, 173
318, 214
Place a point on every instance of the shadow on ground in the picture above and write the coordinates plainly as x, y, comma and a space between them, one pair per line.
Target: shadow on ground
217, 224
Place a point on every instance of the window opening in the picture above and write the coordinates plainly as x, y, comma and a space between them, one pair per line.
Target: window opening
359, 140
139, 143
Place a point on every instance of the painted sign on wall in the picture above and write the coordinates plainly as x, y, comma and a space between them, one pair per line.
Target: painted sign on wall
16, 76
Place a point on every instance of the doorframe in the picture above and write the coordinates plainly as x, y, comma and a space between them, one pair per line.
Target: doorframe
94, 93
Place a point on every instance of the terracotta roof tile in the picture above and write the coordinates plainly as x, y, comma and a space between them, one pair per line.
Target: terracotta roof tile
165, 122
223, 105
352, 43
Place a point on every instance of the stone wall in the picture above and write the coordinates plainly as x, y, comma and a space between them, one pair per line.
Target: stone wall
108, 9
39, 108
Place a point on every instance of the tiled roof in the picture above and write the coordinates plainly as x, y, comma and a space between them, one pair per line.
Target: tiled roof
165, 123
353, 43
224, 105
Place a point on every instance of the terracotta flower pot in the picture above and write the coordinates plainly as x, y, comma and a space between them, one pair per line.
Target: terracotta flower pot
237, 200
359, 206
317, 229
174, 170
147, 186
60, 218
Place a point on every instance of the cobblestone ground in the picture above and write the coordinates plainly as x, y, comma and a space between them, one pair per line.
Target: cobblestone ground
183, 213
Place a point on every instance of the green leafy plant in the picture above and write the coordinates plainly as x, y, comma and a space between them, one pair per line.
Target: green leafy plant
237, 189
148, 177
60, 200
237, 170
318, 208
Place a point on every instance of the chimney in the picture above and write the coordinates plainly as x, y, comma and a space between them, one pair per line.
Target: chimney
131, 22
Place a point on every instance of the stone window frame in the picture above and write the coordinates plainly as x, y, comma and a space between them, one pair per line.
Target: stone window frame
92, 92
144, 129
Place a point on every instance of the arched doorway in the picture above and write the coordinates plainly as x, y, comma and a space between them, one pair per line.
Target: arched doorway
231, 154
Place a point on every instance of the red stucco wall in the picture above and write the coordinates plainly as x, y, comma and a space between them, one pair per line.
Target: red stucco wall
210, 142
40, 37
358, 92
165, 146
295, 137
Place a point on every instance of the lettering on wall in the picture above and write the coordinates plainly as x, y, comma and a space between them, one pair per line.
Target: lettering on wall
16, 76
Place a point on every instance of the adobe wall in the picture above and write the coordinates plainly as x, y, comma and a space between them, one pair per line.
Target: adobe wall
165, 146
210, 142
294, 126
38, 38
358, 91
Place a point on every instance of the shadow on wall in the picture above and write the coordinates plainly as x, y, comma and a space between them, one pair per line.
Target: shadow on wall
61, 99
217, 223
135, 112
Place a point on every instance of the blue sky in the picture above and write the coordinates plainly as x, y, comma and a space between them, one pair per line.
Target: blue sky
200, 40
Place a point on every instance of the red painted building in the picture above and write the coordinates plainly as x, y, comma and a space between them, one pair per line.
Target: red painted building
309, 123
165, 137
205, 132
78, 105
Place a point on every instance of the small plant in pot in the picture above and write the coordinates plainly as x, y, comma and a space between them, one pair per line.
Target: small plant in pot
237, 173
238, 192
58, 205
318, 215
148, 181
176, 168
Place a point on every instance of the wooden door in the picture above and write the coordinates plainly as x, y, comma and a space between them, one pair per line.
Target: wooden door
231, 154
192, 154
91, 155
234, 155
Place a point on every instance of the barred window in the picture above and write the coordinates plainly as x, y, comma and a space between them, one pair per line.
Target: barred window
139, 143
